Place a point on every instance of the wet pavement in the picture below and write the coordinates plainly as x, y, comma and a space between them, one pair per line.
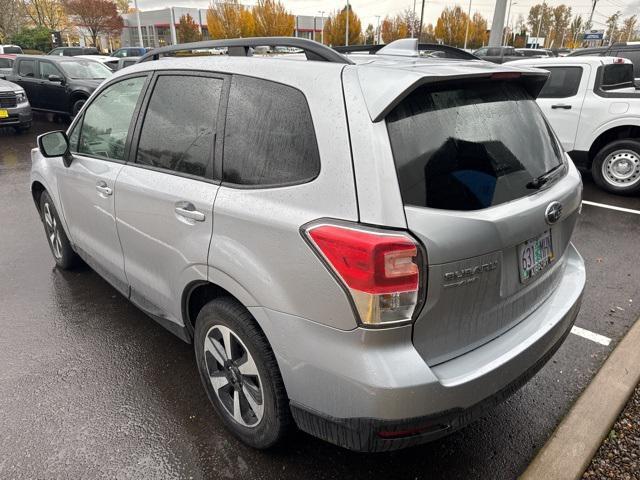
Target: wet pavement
90, 387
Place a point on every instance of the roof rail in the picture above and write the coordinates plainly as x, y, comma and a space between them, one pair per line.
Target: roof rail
243, 47
450, 52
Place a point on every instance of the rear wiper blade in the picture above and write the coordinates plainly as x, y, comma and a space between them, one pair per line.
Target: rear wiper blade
538, 182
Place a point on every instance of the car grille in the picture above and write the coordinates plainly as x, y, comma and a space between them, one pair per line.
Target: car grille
8, 100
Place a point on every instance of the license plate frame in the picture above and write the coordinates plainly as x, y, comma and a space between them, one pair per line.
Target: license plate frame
4, 113
534, 256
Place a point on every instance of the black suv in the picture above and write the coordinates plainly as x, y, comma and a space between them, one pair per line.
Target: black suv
57, 84
73, 51
624, 50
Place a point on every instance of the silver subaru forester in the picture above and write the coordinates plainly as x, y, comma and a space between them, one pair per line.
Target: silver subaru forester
372, 247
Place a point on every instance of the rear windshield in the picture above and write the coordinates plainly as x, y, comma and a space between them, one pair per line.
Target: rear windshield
6, 63
12, 50
470, 146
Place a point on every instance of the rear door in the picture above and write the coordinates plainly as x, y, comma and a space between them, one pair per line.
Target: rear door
469, 158
165, 198
561, 99
27, 79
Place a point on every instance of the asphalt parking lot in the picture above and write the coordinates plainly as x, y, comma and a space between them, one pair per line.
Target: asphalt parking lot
90, 387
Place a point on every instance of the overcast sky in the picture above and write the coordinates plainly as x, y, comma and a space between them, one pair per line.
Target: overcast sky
368, 9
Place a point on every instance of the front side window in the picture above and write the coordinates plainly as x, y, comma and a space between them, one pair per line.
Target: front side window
107, 120
27, 68
563, 82
269, 135
47, 69
180, 124
470, 145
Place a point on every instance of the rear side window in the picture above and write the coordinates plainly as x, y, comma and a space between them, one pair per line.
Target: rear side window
562, 82
180, 124
269, 136
634, 56
470, 146
617, 75
27, 68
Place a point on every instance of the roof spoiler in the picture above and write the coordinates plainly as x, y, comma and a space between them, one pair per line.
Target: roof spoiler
243, 47
408, 47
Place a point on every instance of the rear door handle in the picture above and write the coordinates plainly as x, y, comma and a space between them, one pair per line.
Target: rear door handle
188, 210
103, 188
561, 105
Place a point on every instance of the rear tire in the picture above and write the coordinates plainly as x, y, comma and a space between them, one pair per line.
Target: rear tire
59, 244
240, 374
616, 167
77, 106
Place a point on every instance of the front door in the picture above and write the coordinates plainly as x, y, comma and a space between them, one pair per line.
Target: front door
52, 94
561, 100
87, 187
165, 195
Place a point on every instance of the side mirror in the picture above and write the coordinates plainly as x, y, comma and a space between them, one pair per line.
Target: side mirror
55, 144
55, 78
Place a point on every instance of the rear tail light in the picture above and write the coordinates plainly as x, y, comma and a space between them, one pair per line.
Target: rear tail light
379, 270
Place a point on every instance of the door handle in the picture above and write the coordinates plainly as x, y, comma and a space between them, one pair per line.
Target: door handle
103, 188
561, 105
188, 210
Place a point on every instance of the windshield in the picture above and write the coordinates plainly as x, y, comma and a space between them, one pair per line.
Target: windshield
85, 69
12, 50
470, 146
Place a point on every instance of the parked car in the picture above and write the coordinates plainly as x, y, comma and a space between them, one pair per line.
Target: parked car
73, 51
594, 108
498, 54
628, 50
13, 49
130, 52
126, 62
535, 52
354, 244
58, 84
6, 64
110, 62
15, 110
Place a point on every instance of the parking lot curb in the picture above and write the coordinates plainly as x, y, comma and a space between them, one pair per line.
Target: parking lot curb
568, 452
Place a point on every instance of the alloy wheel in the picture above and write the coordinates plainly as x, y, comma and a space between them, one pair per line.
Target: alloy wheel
53, 232
234, 376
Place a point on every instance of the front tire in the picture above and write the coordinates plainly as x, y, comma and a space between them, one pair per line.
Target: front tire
616, 167
240, 374
59, 244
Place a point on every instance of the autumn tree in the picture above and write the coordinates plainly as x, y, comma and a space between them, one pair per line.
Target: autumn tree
576, 28
612, 27
478, 31
393, 28
428, 34
45, 13
561, 19
272, 19
629, 26
99, 17
369, 35
11, 19
336, 25
540, 19
187, 30
451, 26
123, 6
229, 19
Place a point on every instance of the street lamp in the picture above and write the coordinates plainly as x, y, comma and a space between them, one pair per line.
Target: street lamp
466, 33
321, 12
504, 40
346, 30
378, 30
135, 4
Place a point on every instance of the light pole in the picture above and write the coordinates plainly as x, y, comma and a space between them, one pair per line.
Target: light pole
321, 12
346, 30
413, 20
466, 33
378, 30
504, 41
421, 20
544, 5
135, 5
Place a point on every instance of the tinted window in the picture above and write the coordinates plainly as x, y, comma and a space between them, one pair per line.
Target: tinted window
617, 75
481, 52
107, 120
634, 56
47, 69
180, 124
27, 68
17, 50
469, 146
269, 135
562, 82
6, 63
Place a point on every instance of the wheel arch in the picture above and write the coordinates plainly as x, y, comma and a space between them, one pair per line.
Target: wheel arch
621, 132
37, 188
77, 95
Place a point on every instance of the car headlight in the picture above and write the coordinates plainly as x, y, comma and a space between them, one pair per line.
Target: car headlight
21, 96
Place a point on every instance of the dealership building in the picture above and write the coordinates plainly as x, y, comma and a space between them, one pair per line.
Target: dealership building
159, 26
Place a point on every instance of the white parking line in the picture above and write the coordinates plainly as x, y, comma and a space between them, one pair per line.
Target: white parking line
594, 337
611, 207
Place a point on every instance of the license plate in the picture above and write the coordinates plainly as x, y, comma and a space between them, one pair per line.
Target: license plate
534, 255
4, 113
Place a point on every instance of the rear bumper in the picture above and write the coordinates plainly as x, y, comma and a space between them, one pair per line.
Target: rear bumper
371, 391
